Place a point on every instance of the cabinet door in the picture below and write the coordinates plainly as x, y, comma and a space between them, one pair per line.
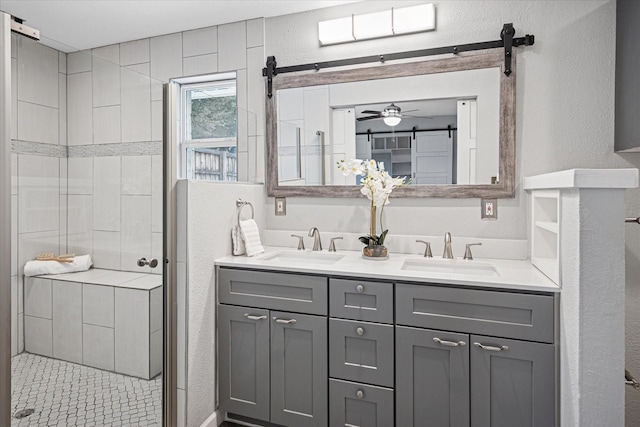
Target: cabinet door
243, 368
432, 378
299, 373
512, 383
359, 405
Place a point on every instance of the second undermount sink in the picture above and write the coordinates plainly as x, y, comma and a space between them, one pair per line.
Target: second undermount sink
307, 257
470, 268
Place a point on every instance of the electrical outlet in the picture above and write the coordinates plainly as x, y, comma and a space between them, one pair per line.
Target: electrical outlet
281, 206
489, 209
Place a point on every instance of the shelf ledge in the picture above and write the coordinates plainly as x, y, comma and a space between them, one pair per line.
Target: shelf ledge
584, 178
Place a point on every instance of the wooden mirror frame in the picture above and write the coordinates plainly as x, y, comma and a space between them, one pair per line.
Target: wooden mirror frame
505, 188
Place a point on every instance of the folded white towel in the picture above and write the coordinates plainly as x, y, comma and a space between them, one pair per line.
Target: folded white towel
236, 240
251, 237
36, 268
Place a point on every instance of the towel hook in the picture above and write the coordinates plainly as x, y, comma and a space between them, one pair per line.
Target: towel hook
241, 204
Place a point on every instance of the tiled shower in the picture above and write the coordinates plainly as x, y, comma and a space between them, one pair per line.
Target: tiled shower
86, 165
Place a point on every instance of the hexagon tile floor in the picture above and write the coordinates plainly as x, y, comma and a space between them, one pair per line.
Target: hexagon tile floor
66, 394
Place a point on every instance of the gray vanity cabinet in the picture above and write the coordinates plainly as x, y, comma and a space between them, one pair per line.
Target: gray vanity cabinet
243, 357
432, 387
512, 383
355, 404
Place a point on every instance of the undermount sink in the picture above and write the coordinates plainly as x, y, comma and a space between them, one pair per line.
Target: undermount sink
472, 268
311, 257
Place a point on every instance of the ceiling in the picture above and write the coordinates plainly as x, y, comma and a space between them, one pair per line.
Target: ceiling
70, 25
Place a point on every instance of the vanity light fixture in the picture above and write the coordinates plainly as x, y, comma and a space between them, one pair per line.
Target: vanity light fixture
387, 23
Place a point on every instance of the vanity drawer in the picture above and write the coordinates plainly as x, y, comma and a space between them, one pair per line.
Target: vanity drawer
352, 404
277, 291
361, 351
361, 300
501, 314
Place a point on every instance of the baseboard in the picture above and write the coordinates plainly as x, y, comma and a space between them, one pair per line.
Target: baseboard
213, 421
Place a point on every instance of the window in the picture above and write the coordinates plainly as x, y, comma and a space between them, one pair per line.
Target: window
209, 130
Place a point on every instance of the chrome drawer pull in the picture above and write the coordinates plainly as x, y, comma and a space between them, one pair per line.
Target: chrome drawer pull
360, 331
285, 321
449, 343
253, 317
490, 347
360, 288
360, 394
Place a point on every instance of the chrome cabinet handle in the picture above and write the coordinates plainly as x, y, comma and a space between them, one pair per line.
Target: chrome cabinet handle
285, 321
490, 347
449, 343
254, 317
360, 394
360, 331
360, 288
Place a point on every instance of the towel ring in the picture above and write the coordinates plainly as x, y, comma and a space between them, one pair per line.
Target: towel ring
241, 204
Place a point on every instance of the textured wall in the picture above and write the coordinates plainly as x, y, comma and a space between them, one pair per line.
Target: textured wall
565, 119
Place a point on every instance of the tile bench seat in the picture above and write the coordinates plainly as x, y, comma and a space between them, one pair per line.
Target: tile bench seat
106, 319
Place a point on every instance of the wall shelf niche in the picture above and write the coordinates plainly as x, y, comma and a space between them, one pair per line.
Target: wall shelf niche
545, 233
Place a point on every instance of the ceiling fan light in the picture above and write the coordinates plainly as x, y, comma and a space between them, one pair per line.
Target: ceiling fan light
392, 120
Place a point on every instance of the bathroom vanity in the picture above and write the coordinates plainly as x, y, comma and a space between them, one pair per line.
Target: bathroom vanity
314, 339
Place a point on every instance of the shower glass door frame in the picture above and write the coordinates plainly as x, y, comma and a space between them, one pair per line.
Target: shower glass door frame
5, 218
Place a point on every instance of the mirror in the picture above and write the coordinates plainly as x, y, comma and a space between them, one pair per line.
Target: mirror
447, 124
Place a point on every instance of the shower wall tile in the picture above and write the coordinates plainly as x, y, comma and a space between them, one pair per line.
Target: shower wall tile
106, 250
135, 241
38, 336
134, 52
155, 310
14, 99
106, 125
14, 46
62, 110
30, 245
156, 121
156, 251
156, 194
45, 119
37, 297
203, 64
63, 223
67, 321
136, 175
260, 159
79, 62
79, 108
243, 159
136, 106
20, 330
14, 173
38, 76
109, 53
98, 347
38, 193
80, 224
106, 82
80, 175
200, 42
106, 196
62, 62
255, 32
232, 45
166, 56
255, 90
64, 182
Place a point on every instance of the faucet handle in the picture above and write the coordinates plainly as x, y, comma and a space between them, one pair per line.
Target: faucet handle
467, 250
427, 249
300, 242
332, 245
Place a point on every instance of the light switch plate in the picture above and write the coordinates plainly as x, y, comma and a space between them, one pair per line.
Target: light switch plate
281, 206
489, 208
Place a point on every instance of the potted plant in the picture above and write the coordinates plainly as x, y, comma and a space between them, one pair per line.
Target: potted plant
377, 185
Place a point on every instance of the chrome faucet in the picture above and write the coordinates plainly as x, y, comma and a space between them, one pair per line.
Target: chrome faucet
317, 243
447, 246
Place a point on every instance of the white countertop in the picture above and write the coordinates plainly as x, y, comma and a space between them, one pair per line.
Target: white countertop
584, 178
512, 274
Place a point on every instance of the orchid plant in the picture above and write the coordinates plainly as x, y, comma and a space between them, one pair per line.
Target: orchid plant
377, 185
